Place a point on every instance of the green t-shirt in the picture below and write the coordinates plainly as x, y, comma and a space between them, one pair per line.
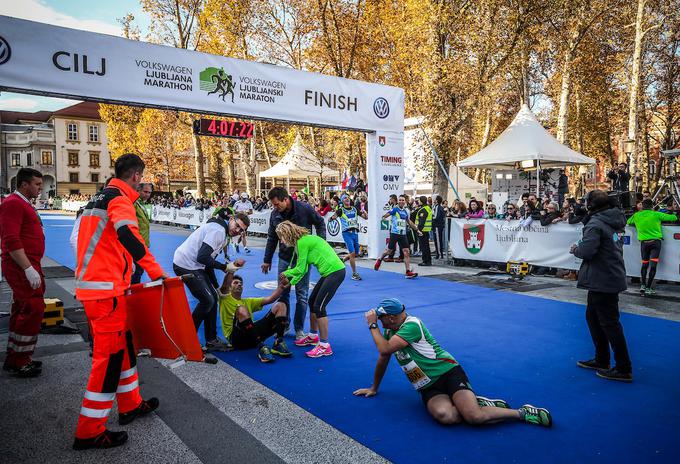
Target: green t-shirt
312, 249
648, 223
228, 305
422, 360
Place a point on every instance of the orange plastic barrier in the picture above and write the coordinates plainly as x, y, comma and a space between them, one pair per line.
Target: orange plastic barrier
147, 319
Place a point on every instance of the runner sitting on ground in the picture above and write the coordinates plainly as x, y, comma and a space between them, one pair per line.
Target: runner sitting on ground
236, 314
312, 249
434, 373
400, 219
349, 216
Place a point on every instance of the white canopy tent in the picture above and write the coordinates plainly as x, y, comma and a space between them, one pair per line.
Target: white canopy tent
466, 186
527, 144
298, 163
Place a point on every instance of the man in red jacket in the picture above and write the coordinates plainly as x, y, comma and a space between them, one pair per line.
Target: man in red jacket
23, 246
108, 244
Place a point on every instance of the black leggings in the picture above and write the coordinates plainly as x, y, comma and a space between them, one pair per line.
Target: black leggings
650, 251
323, 292
202, 288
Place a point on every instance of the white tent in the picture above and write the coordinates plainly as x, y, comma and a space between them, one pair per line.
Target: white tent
466, 186
526, 140
298, 163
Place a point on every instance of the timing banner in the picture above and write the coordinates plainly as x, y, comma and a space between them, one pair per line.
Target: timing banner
56, 61
503, 241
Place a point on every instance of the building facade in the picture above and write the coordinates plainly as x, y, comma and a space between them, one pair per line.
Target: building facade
83, 157
69, 147
27, 140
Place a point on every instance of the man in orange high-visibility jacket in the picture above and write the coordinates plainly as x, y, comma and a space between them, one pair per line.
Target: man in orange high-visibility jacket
108, 243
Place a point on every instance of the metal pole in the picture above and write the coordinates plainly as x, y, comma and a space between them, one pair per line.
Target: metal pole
441, 165
538, 180
446, 238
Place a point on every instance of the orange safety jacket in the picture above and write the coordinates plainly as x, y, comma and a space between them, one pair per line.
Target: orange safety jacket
108, 244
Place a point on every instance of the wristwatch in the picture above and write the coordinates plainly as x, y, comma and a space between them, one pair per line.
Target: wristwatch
373, 326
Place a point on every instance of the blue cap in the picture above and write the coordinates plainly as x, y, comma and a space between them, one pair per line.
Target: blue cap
389, 306
343, 196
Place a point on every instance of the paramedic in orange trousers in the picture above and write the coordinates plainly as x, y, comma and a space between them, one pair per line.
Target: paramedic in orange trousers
108, 244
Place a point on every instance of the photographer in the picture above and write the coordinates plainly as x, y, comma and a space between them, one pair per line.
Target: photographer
620, 178
603, 274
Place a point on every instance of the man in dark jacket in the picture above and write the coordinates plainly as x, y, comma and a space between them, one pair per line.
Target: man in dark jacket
562, 187
303, 215
603, 274
438, 218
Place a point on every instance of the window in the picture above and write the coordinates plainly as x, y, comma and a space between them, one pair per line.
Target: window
73, 160
94, 160
16, 160
74, 192
72, 131
93, 132
46, 158
73, 177
95, 177
652, 167
29, 159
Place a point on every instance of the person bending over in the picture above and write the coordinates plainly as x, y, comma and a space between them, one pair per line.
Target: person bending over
236, 314
313, 250
197, 256
649, 233
434, 373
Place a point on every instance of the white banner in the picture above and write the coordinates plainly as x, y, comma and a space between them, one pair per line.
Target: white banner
385, 159
72, 205
57, 61
503, 241
259, 221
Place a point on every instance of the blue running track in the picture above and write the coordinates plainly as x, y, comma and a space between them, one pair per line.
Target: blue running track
519, 348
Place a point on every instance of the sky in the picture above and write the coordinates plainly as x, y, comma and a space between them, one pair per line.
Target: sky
96, 16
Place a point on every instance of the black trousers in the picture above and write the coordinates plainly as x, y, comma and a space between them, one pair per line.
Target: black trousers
424, 242
602, 315
202, 288
438, 237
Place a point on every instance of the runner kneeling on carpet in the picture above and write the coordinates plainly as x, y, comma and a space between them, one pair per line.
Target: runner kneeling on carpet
236, 313
312, 249
440, 380
349, 220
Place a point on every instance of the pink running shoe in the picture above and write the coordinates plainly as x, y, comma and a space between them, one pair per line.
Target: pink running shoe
307, 340
319, 351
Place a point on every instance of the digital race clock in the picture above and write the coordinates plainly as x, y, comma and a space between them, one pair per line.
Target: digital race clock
222, 128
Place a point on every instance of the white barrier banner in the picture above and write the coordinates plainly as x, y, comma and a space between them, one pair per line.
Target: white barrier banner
182, 216
57, 61
259, 223
72, 205
503, 241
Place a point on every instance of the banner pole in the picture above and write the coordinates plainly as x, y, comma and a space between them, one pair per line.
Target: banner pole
441, 165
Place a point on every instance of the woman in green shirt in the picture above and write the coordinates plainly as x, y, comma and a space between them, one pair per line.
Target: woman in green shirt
313, 250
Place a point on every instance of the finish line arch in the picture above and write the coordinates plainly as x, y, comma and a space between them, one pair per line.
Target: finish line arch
55, 61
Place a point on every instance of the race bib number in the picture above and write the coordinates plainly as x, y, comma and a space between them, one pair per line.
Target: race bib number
352, 223
415, 375
401, 226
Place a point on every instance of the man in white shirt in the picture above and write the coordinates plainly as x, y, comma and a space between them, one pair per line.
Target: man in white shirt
196, 256
243, 206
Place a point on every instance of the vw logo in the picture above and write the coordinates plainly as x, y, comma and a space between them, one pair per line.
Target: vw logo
201, 216
154, 212
174, 214
381, 108
333, 227
5, 51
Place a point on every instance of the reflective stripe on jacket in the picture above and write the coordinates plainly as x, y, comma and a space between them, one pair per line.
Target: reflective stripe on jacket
108, 242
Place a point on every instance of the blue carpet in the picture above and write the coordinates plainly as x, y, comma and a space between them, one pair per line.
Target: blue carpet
516, 347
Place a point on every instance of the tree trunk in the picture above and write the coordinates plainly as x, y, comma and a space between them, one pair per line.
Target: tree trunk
563, 116
247, 156
265, 148
635, 82
231, 174
198, 158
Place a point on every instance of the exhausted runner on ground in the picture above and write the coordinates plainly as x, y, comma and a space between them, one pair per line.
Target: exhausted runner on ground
349, 221
313, 250
400, 219
236, 314
434, 373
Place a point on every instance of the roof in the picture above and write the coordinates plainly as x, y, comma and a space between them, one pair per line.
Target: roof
13, 117
525, 139
298, 162
87, 110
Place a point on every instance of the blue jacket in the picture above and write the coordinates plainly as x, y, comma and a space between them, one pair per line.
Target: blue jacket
301, 214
